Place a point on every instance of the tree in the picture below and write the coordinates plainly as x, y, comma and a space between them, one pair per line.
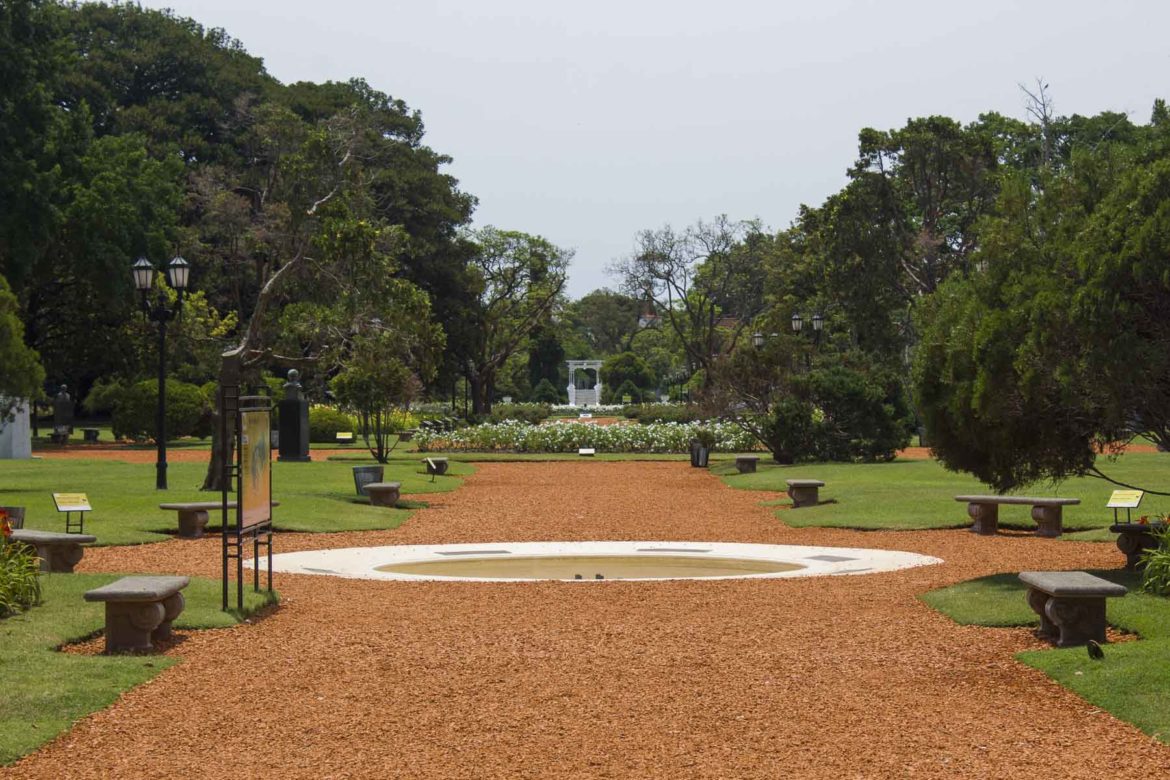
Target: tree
618, 370
606, 320
377, 382
699, 281
517, 280
1057, 350
22, 377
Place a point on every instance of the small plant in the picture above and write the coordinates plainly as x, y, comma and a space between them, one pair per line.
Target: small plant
20, 585
706, 438
1155, 565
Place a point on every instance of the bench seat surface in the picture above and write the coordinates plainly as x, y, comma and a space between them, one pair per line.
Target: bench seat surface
804, 483
382, 486
1030, 500
1071, 583
138, 589
48, 537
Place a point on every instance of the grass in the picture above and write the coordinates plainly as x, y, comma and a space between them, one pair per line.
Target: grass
919, 494
46, 691
314, 497
1132, 682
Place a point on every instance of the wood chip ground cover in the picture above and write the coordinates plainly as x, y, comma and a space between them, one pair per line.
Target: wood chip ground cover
827, 677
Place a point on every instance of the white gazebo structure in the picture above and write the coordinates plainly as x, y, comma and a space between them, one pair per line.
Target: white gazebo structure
585, 396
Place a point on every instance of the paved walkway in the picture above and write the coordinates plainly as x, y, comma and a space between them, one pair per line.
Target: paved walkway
835, 677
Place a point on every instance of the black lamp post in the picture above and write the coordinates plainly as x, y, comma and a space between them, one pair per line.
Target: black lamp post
178, 272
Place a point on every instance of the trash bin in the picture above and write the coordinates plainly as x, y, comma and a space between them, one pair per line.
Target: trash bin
364, 475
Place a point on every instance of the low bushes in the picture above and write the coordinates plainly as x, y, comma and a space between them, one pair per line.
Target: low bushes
533, 414
570, 436
325, 423
135, 408
663, 413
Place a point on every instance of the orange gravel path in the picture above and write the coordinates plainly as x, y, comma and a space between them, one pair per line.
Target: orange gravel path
810, 678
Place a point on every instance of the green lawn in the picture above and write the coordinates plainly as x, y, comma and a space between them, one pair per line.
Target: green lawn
45, 691
919, 494
1132, 682
316, 496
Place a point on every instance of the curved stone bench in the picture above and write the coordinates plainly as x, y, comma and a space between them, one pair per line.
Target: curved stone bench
804, 492
139, 610
746, 464
1071, 604
383, 493
436, 465
58, 552
1047, 512
193, 515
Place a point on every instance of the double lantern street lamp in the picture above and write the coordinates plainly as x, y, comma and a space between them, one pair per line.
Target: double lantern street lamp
818, 325
178, 272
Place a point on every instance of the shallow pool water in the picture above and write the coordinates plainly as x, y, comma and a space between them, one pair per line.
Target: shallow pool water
590, 567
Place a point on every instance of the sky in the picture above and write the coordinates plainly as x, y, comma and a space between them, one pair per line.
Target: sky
588, 122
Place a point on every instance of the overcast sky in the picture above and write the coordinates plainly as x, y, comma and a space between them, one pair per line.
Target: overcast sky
590, 121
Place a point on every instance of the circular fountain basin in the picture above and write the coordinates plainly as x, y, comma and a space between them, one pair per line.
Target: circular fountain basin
592, 561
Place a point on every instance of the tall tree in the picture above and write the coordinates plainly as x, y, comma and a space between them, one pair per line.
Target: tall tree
517, 280
706, 283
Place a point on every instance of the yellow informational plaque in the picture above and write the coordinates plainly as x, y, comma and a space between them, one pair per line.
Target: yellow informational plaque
1125, 499
71, 502
255, 493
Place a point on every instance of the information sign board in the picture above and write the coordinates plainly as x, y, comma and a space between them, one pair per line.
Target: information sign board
1125, 499
71, 502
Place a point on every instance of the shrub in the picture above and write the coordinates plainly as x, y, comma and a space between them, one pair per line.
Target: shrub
839, 414
1155, 564
627, 388
135, 409
532, 414
102, 397
20, 585
622, 368
325, 423
545, 393
660, 413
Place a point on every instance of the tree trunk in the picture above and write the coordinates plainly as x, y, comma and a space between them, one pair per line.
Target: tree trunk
222, 451
481, 393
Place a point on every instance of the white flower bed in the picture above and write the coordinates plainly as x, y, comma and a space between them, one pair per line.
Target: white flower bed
592, 408
514, 436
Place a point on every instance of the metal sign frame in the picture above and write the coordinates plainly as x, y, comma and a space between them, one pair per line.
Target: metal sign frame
234, 410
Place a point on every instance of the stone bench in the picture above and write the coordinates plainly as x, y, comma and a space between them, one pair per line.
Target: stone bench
383, 493
436, 465
1071, 604
139, 610
804, 492
58, 552
746, 464
193, 515
90, 434
1047, 512
1135, 538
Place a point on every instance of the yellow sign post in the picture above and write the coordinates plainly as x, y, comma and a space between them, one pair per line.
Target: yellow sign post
1124, 499
71, 503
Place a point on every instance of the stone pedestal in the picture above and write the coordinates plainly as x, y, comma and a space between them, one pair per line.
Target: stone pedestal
135, 625
804, 492
985, 517
16, 435
383, 493
746, 464
193, 523
1049, 520
294, 430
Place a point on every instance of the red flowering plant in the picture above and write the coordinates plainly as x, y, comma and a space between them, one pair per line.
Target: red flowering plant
20, 585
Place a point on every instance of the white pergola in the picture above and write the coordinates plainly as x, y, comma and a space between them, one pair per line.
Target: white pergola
584, 396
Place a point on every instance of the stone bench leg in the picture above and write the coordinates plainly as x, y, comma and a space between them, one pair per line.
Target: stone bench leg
129, 624
746, 466
192, 523
1133, 545
1069, 621
172, 608
383, 497
804, 496
60, 557
985, 517
1048, 520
